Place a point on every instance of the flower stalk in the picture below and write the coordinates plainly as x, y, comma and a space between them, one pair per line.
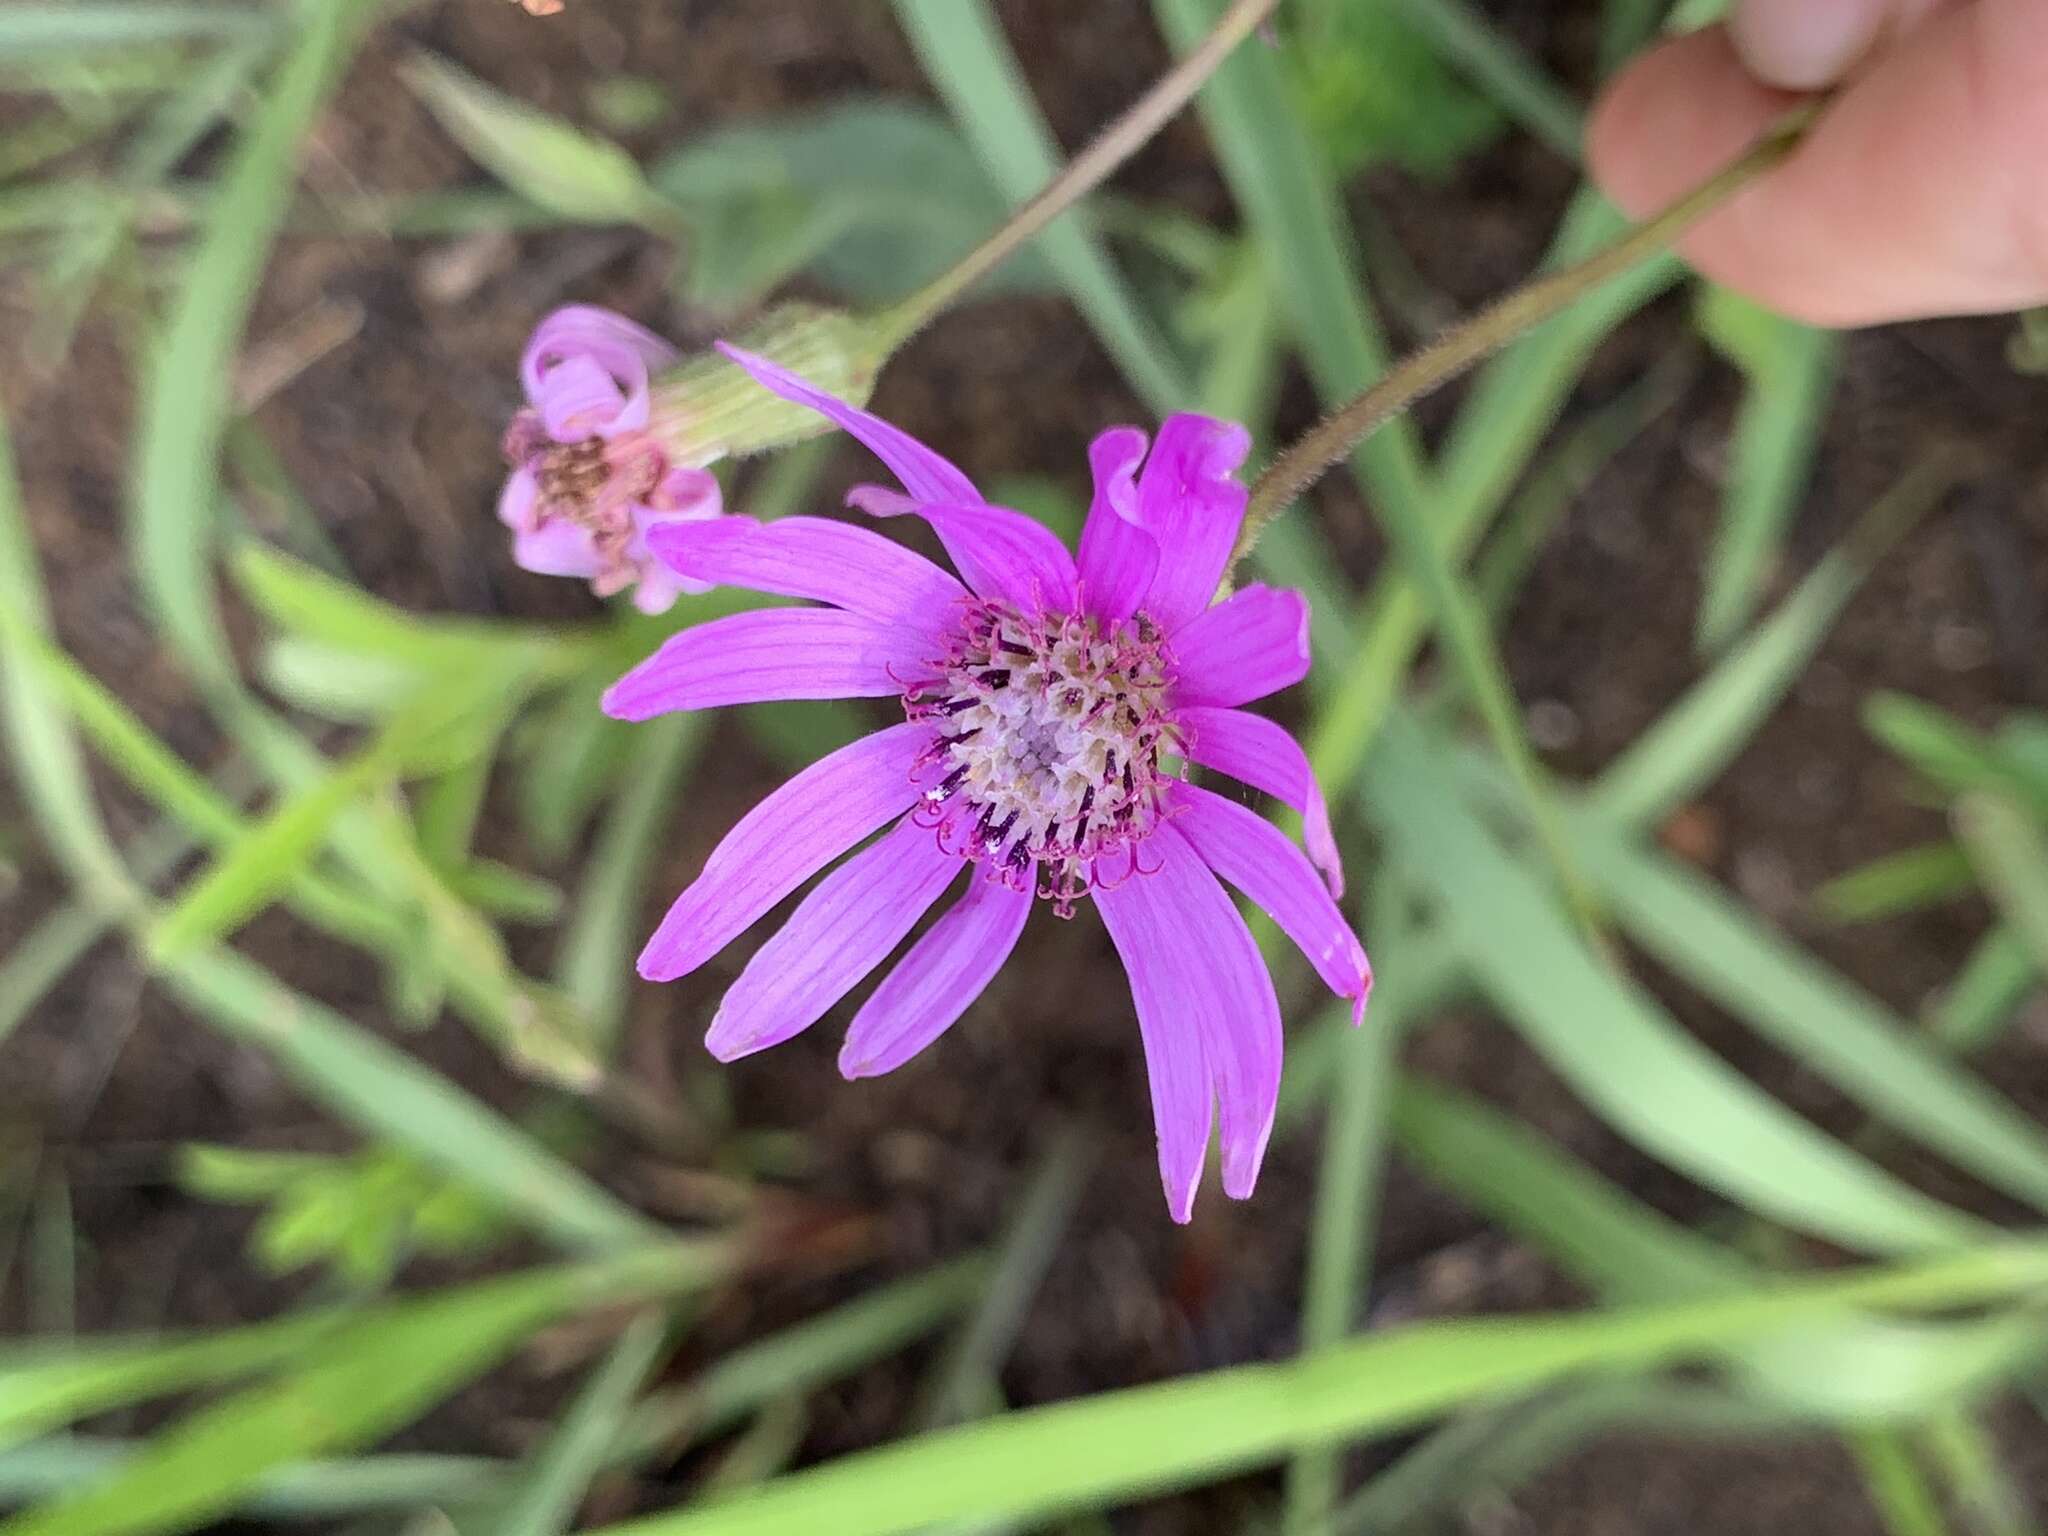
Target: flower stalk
1328, 443
1081, 175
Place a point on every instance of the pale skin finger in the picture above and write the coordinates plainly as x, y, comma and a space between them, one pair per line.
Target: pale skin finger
1922, 191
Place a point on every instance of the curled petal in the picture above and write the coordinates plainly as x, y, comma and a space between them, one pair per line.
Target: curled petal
818, 558
1254, 644
1256, 857
579, 399
944, 972
838, 933
1191, 505
926, 475
627, 352
778, 653
1257, 752
783, 841
1118, 558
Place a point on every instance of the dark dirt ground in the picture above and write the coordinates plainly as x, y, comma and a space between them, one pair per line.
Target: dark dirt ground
395, 436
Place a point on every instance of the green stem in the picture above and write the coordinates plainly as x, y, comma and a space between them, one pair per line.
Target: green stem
1332, 439
1086, 171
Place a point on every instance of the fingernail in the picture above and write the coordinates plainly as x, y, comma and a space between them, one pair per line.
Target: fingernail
1803, 45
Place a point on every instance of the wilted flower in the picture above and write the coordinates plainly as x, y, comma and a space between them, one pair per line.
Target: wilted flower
1044, 699
589, 480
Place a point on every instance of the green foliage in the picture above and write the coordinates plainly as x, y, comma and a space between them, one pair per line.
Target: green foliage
361, 1216
1375, 90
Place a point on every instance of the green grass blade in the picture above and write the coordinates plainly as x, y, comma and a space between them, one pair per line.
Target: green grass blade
1967, 1456
545, 1496
1702, 733
321, 1490
1344, 1226
1789, 370
1145, 1440
49, 767
2010, 853
970, 62
1898, 1487
188, 396
1720, 946
1275, 173
1508, 77
1649, 1079
1999, 976
595, 959
388, 1095
1898, 883
803, 1357
368, 1376
29, 31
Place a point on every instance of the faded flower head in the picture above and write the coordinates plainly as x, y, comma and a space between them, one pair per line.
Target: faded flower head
1047, 699
589, 478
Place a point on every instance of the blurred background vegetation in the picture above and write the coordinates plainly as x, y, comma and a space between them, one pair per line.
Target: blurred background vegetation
347, 1175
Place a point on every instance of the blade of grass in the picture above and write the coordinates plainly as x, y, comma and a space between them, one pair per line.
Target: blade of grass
368, 1376
1897, 1486
188, 395
1964, 1451
29, 31
1898, 883
1702, 733
389, 1095
1507, 76
545, 1496
800, 1358
989, 1332
48, 765
1789, 372
1344, 1225
969, 61
1833, 1028
1646, 1077
2010, 854
320, 1490
1999, 975
1039, 1462
593, 963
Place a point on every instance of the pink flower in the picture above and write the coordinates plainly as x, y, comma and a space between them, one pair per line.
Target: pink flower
589, 481
1042, 699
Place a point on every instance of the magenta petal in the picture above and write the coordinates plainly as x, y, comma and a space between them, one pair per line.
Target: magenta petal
779, 653
579, 399
1257, 752
556, 548
944, 972
838, 933
1256, 857
1243, 649
999, 553
1191, 506
1207, 1011
926, 475
815, 557
783, 841
628, 352
1118, 559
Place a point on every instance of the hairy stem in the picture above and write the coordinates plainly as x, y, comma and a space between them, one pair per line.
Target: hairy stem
1332, 439
1086, 171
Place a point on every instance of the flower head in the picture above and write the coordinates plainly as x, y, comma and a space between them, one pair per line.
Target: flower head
1046, 698
589, 480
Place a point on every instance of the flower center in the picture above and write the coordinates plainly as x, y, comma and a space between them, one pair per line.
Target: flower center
1050, 734
594, 482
